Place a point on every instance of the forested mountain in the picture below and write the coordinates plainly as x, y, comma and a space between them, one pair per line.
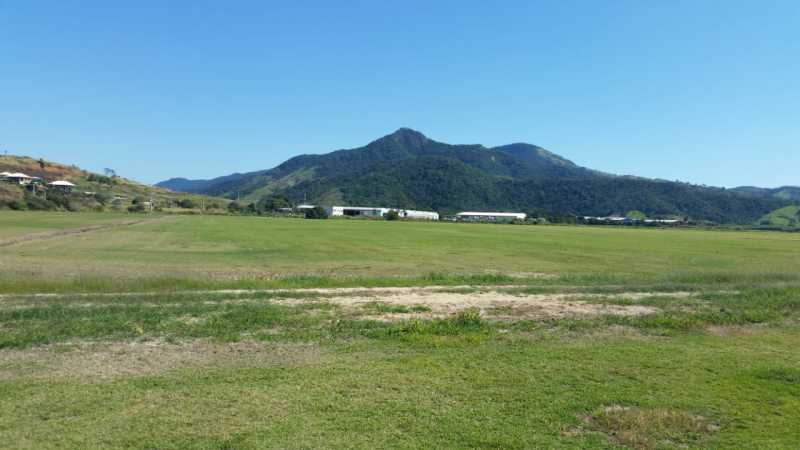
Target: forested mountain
407, 169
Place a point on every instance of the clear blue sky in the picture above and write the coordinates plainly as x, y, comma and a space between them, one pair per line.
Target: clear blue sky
701, 91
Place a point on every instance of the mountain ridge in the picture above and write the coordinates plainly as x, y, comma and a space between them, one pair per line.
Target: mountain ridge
408, 169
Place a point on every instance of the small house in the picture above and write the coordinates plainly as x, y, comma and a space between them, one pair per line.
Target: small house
19, 178
62, 185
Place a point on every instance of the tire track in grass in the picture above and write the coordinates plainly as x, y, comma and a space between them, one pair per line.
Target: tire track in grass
34, 237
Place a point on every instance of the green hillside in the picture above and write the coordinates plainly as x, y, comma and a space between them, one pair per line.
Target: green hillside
92, 191
784, 218
407, 169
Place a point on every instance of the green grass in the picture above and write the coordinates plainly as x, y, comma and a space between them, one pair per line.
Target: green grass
14, 224
207, 251
458, 382
176, 364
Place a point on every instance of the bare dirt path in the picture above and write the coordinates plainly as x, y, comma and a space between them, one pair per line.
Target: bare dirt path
332, 292
71, 231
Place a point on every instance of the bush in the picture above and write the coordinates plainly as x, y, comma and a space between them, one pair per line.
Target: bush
234, 207
101, 179
136, 207
17, 205
39, 204
316, 212
102, 198
187, 203
392, 215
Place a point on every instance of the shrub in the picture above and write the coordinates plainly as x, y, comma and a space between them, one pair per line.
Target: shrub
187, 203
136, 207
234, 207
392, 215
102, 198
316, 212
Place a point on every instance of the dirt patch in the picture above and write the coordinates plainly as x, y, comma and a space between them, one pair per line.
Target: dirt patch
69, 232
496, 305
735, 330
649, 428
98, 361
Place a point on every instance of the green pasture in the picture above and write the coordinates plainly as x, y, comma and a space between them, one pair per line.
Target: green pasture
122, 338
224, 251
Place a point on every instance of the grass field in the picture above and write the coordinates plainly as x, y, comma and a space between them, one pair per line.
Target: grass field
244, 332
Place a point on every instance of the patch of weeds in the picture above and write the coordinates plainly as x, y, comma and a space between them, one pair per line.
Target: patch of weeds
385, 308
789, 375
650, 428
464, 322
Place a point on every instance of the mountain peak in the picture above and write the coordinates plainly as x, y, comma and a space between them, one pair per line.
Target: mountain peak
406, 137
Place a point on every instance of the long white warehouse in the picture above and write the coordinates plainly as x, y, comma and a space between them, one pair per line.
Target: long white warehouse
369, 211
490, 216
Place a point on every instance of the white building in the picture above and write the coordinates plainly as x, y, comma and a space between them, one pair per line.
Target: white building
62, 185
19, 178
490, 216
418, 215
356, 211
370, 211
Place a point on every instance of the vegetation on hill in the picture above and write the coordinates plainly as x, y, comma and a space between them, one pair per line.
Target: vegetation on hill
93, 191
791, 193
786, 218
408, 170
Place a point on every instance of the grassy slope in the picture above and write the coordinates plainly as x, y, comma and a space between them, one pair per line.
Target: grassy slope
123, 187
787, 217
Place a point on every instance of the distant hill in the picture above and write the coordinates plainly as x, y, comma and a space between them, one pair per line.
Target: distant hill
786, 218
791, 193
407, 169
92, 191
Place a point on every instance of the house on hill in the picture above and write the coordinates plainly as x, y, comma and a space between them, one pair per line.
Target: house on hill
19, 178
62, 185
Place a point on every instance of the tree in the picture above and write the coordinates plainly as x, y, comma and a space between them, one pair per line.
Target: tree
317, 212
392, 215
234, 207
186, 203
635, 215
136, 208
274, 203
110, 172
42, 164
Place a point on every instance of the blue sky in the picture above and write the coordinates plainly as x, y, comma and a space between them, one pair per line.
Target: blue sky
701, 91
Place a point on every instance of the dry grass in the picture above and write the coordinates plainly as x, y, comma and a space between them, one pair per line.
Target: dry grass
103, 361
650, 428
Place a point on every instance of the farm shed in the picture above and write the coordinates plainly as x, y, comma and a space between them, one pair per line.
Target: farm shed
490, 216
369, 211
356, 211
418, 215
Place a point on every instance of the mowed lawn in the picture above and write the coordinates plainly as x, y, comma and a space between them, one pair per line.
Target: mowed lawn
564, 337
232, 249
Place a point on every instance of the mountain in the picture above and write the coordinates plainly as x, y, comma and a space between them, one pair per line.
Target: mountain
408, 169
791, 193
